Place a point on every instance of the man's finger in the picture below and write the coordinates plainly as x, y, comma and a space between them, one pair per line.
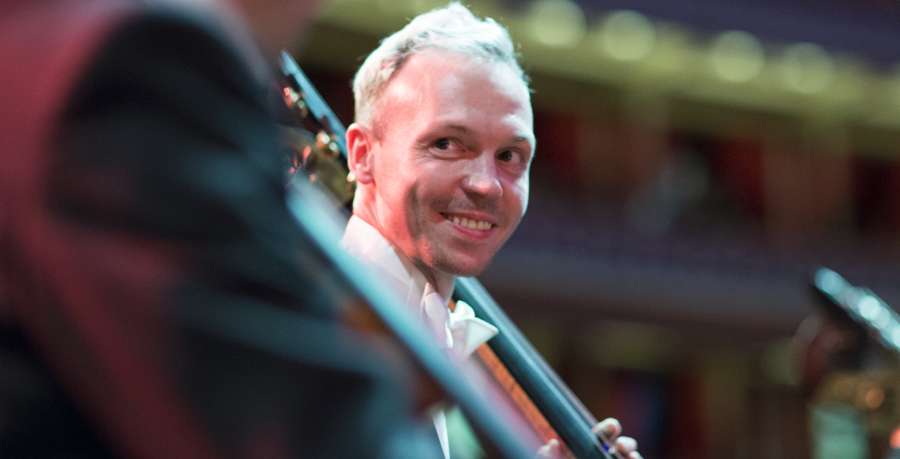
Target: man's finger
609, 428
626, 445
550, 450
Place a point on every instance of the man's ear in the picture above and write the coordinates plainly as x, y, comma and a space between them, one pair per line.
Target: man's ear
360, 144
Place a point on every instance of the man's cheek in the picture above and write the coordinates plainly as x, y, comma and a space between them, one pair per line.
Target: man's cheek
522, 193
517, 199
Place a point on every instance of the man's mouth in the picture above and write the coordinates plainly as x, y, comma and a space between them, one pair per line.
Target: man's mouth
472, 224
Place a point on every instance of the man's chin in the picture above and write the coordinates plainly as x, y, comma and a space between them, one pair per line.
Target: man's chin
467, 268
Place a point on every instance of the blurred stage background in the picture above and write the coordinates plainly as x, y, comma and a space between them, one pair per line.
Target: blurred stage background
695, 159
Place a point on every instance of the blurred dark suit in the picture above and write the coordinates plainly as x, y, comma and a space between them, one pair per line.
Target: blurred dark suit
141, 183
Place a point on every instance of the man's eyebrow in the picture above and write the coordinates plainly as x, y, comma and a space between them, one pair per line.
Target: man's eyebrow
459, 127
463, 129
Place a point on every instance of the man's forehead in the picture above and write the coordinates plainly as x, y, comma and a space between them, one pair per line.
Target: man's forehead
430, 71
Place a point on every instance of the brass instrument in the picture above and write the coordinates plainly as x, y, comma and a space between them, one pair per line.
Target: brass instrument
316, 147
867, 377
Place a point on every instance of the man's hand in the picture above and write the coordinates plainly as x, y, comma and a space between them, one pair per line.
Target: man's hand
611, 429
608, 428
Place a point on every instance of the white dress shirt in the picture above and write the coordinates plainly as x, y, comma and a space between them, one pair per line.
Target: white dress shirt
458, 331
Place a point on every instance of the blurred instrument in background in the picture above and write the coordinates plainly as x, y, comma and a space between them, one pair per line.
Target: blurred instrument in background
854, 358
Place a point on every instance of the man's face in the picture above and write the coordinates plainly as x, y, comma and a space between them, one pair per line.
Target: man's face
451, 166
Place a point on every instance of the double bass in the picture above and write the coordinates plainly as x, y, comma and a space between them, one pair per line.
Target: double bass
533, 387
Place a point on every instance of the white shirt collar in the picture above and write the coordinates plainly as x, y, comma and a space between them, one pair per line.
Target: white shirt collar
459, 330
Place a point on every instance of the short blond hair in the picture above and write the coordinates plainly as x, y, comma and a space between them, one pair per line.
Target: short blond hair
453, 28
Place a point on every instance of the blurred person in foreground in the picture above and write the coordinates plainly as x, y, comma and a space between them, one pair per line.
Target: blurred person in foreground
142, 181
441, 149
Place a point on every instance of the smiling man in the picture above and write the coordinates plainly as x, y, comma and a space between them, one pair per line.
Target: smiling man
443, 171
441, 150
453, 144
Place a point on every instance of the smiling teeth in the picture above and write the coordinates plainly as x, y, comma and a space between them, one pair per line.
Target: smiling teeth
478, 225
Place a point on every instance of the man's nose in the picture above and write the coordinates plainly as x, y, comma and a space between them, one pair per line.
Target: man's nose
482, 177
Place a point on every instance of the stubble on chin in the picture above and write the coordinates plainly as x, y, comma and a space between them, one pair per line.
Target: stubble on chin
459, 263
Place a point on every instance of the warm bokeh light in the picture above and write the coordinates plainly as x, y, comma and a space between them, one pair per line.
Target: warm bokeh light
558, 23
737, 56
627, 35
874, 398
807, 67
895, 439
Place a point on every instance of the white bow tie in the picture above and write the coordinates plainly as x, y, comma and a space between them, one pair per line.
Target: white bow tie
459, 331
